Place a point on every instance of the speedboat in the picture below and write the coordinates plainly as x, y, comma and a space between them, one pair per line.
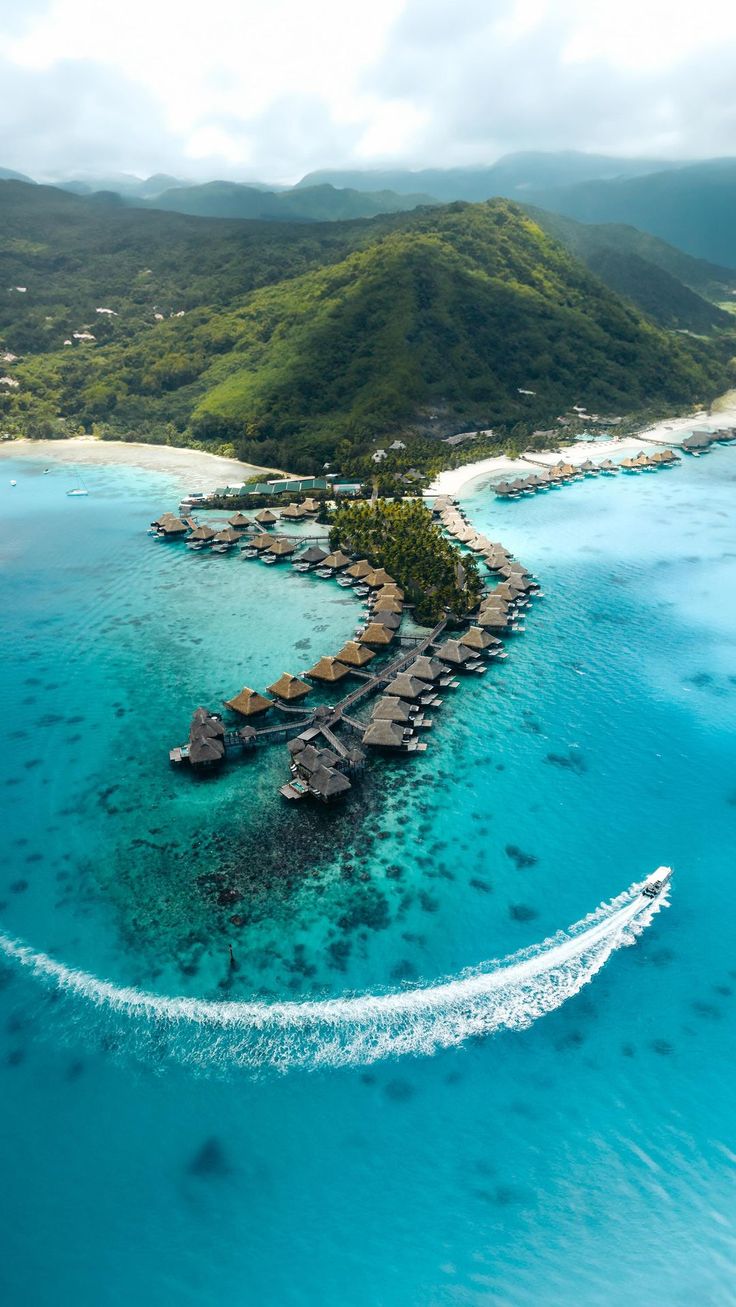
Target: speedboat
79, 491
656, 883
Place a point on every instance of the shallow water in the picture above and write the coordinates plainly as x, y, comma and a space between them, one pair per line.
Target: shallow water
590, 1155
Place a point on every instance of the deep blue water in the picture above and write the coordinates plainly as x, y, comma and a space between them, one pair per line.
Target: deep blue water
589, 1157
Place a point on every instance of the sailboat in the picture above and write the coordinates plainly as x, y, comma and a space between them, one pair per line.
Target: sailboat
79, 489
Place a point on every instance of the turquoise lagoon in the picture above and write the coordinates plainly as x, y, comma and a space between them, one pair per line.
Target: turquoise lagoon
588, 1156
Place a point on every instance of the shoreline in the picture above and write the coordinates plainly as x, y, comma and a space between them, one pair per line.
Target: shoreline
671, 431
193, 467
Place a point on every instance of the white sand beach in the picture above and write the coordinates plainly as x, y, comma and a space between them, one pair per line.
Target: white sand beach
193, 468
670, 431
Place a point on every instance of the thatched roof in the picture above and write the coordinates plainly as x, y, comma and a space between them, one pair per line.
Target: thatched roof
312, 555
391, 708
310, 505
477, 640
609, 466
203, 750
426, 669
310, 758
494, 619
169, 525
265, 517
390, 591
239, 520
452, 651
388, 605
227, 536
328, 783
382, 733
249, 703
203, 532
360, 569
337, 560
260, 542
281, 547
405, 686
355, 654
247, 733
378, 578
206, 725
376, 633
289, 687
293, 511
390, 620
328, 669
295, 746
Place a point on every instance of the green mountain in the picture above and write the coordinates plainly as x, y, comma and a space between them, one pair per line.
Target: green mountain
673, 288
292, 341
308, 204
692, 207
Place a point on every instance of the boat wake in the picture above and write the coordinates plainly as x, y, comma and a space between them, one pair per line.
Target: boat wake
508, 994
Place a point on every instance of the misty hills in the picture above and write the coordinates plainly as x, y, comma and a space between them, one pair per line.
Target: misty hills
693, 207
292, 341
322, 203
514, 176
673, 288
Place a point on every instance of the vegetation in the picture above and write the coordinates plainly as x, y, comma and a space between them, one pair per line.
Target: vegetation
673, 288
297, 345
402, 538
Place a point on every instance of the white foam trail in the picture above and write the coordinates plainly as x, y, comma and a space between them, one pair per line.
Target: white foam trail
506, 994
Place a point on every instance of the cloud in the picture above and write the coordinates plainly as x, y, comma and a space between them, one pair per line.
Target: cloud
271, 91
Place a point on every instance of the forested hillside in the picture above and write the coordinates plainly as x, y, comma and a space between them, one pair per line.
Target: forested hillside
289, 342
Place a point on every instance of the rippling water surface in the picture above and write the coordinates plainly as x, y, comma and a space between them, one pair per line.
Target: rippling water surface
587, 1155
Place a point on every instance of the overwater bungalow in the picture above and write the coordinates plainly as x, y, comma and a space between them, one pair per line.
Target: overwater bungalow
589, 468
309, 506
309, 558
280, 547
206, 739
390, 591
203, 535
479, 641
360, 569
337, 560
408, 687
379, 578
665, 458
239, 521
377, 633
354, 654
382, 733
697, 443
227, 536
249, 703
503, 489
495, 619
169, 525
289, 688
630, 465
392, 621
293, 513
608, 468
328, 669
387, 605
260, 542
390, 708
454, 652
426, 669
327, 783
265, 517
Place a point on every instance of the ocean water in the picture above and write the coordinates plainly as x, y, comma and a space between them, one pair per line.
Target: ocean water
286, 1147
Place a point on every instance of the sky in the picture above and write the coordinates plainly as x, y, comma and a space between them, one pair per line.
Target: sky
251, 90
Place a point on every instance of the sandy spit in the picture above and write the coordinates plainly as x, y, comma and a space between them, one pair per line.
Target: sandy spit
194, 469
